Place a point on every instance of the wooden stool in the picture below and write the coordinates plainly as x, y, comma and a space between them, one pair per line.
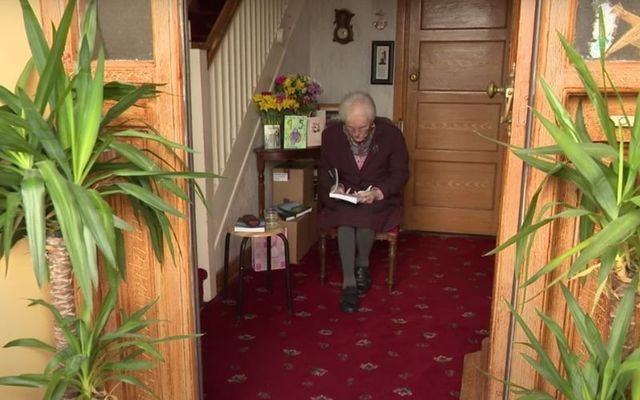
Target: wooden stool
278, 231
390, 236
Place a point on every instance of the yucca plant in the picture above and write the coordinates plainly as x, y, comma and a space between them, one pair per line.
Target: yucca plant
95, 356
606, 372
63, 156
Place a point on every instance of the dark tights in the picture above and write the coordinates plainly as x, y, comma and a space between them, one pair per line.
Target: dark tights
350, 239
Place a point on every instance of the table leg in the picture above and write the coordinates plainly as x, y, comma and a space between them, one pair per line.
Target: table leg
260, 165
243, 246
225, 275
287, 271
269, 285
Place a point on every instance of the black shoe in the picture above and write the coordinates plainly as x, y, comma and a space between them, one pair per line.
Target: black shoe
363, 279
349, 301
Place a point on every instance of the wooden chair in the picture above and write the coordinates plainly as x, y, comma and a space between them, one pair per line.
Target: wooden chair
390, 236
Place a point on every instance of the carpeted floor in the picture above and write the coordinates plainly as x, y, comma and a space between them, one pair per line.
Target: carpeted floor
407, 344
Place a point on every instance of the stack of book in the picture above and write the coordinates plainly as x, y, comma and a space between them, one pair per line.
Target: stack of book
290, 210
249, 223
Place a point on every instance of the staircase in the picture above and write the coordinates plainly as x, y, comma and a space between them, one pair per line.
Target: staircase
245, 48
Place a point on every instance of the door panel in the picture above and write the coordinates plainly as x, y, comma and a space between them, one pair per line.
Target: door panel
552, 65
455, 48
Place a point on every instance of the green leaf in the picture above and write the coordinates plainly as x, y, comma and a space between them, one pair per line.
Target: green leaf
612, 234
585, 165
32, 343
53, 73
593, 90
71, 226
96, 220
45, 135
149, 198
35, 36
25, 380
10, 214
33, 195
587, 330
88, 123
126, 101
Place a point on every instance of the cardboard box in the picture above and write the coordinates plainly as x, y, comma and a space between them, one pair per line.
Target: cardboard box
293, 181
302, 233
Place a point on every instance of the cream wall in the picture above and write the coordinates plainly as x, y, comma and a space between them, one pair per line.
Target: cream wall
18, 283
346, 67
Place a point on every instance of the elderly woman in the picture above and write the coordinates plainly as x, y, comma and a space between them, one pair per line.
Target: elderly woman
369, 157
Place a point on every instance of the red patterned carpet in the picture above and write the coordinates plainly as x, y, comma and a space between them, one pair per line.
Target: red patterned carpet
407, 344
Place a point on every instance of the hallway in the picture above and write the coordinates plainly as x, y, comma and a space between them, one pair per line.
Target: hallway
409, 343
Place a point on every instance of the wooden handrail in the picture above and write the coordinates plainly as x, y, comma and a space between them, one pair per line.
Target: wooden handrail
219, 28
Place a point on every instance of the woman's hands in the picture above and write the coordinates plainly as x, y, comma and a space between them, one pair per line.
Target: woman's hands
369, 196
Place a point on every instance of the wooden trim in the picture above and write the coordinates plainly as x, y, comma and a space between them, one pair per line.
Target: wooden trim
217, 32
510, 203
400, 74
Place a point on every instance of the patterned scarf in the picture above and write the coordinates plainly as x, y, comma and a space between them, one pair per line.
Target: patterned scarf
360, 149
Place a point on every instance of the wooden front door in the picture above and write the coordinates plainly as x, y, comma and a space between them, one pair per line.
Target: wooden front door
574, 19
453, 50
144, 42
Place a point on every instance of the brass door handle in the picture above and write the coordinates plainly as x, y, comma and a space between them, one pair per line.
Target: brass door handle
494, 89
413, 77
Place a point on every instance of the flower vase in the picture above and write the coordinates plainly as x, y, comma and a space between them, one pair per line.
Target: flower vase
272, 136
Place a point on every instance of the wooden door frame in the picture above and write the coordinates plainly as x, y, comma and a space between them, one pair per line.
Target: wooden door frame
172, 285
523, 30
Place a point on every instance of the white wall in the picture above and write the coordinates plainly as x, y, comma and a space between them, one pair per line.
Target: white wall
342, 68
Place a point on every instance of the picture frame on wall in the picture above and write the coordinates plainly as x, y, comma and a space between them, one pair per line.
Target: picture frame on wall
382, 62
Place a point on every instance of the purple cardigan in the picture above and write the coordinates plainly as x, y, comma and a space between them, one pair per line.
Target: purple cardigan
386, 168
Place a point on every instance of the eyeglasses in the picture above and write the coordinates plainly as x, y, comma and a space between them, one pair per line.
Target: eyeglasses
356, 130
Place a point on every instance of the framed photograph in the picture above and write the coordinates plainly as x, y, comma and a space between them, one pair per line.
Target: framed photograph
382, 62
331, 111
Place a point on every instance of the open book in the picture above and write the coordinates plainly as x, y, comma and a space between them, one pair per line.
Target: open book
350, 197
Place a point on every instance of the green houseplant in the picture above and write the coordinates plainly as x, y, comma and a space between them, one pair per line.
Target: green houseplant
62, 158
608, 213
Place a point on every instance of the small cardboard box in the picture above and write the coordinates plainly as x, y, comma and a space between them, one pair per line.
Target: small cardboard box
293, 181
302, 233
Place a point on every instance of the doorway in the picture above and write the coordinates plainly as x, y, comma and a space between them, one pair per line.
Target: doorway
452, 52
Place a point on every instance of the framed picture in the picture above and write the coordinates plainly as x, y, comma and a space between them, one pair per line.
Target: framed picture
382, 62
331, 111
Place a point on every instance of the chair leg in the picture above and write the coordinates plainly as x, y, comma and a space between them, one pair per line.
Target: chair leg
392, 261
323, 257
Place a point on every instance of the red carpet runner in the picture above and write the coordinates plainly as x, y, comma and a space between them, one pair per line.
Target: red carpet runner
407, 344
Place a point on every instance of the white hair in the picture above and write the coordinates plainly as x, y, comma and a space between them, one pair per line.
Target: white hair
357, 98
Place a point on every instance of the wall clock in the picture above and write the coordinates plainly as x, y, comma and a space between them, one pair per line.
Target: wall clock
343, 32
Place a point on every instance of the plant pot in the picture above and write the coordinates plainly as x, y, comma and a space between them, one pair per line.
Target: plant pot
272, 136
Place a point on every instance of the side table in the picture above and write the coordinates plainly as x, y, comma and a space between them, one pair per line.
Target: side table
278, 231
262, 155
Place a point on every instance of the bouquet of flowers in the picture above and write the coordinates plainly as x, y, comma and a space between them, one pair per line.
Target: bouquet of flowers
300, 88
273, 106
292, 94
